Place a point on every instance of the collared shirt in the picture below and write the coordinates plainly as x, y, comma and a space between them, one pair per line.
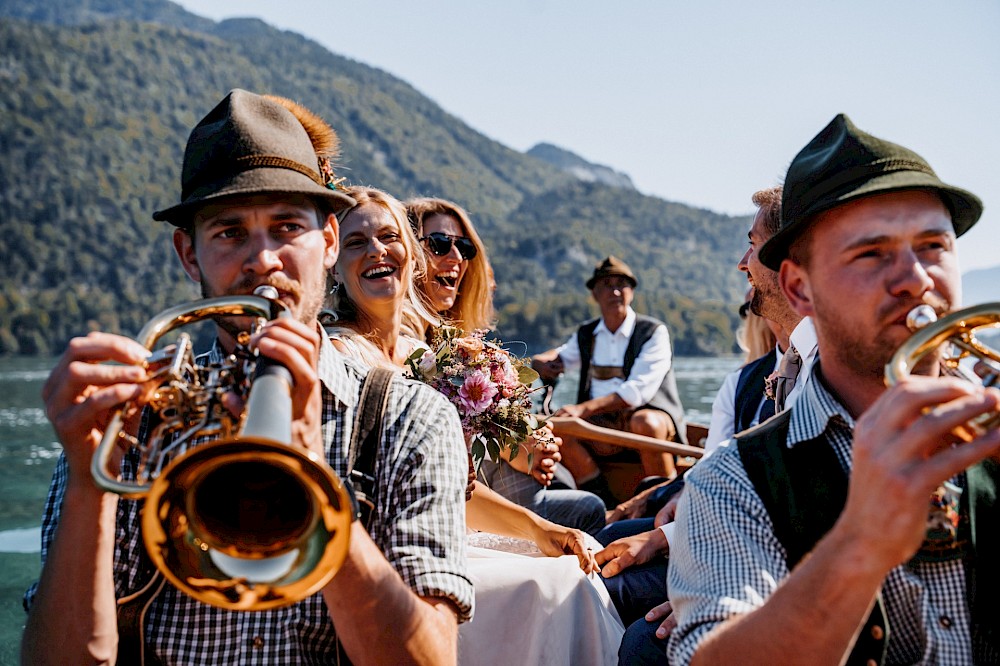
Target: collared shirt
803, 338
726, 560
419, 526
650, 367
723, 423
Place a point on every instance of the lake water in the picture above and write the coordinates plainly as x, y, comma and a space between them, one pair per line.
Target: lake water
28, 453
28, 450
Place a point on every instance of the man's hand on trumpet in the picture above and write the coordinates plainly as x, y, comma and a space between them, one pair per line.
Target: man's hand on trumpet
903, 451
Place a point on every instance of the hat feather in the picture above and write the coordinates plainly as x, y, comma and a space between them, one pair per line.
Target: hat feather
324, 139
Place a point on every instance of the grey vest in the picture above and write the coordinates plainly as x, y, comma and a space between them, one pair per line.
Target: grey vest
666, 398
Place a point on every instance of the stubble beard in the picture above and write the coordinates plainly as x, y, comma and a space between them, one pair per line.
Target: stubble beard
867, 357
763, 303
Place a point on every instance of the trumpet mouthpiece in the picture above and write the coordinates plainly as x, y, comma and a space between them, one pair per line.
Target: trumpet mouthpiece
267, 291
920, 316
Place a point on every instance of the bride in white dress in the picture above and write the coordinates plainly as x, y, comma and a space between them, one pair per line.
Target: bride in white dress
539, 599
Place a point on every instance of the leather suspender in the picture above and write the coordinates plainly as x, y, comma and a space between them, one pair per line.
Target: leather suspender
364, 444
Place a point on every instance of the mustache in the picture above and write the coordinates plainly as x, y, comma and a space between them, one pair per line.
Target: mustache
279, 282
940, 304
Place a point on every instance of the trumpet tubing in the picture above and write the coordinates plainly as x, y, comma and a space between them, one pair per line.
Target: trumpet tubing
954, 336
245, 520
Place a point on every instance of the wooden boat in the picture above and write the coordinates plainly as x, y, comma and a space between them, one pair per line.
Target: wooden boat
623, 477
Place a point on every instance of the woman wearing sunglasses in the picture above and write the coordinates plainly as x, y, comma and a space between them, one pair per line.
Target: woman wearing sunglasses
459, 278
459, 286
378, 265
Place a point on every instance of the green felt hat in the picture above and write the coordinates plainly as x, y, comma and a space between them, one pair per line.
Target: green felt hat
843, 163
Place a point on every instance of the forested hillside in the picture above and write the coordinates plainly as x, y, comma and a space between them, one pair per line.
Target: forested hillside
97, 98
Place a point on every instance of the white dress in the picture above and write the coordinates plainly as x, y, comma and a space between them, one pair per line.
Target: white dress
531, 610
535, 610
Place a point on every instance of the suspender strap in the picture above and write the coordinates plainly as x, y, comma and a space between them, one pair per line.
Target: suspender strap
367, 433
132, 622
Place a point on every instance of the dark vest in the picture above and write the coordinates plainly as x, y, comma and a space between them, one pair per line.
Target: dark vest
666, 398
750, 389
804, 489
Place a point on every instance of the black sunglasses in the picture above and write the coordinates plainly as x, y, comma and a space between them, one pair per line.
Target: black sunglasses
440, 244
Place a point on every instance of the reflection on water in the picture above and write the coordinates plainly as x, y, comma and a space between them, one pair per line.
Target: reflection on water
20, 541
28, 449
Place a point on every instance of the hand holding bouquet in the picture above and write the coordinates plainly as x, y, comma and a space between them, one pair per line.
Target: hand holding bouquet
489, 386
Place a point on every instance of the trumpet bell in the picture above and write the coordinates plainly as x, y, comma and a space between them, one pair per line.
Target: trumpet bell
239, 524
248, 521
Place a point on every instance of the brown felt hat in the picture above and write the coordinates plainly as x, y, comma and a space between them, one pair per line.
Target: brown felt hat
252, 144
843, 163
612, 266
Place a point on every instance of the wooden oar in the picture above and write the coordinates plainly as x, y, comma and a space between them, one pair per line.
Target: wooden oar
577, 427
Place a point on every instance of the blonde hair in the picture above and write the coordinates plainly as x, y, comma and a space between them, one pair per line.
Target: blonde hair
473, 307
350, 315
755, 337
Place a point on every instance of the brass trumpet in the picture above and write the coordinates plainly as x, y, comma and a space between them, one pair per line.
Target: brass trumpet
246, 521
956, 333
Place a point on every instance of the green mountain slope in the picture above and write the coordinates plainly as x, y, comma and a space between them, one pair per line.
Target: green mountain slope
97, 98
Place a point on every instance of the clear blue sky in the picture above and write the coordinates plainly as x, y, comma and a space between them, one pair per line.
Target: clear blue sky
701, 102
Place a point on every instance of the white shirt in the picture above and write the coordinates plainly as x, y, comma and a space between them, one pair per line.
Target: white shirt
650, 367
803, 338
723, 424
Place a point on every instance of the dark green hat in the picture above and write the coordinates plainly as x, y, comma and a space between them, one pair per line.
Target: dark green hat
612, 266
843, 163
252, 144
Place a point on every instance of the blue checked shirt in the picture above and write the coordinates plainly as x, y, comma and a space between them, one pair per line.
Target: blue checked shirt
419, 526
725, 559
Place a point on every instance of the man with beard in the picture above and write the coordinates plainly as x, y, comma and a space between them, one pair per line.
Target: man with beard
258, 208
806, 540
743, 398
634, 561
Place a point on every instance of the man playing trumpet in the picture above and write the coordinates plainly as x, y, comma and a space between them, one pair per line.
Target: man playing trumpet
259, 207
807, 539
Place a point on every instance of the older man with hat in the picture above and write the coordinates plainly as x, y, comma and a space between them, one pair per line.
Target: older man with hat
626, 381
817, 537
258, 207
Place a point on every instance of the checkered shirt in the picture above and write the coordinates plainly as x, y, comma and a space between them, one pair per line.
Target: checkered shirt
725, 559
419, 526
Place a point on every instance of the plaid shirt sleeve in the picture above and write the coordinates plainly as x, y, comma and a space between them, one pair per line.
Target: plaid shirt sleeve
421, 523
725, 559
50, 520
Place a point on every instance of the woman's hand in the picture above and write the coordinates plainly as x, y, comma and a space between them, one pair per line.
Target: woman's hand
545, 455
555, 540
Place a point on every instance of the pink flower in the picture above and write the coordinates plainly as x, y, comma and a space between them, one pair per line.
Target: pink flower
477, 392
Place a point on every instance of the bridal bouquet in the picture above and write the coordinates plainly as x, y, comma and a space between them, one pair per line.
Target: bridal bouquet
489, 386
